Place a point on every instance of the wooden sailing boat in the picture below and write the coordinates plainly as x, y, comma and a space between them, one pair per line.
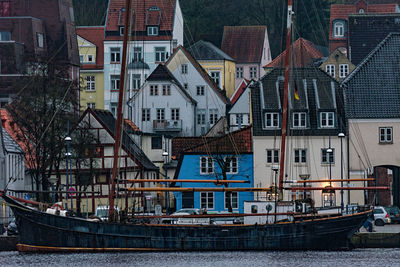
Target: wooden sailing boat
45, 232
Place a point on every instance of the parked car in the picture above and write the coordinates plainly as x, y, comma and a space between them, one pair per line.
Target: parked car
394, 213
381, 216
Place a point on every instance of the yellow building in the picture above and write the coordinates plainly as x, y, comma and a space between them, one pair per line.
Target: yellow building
90, 44
219, 66
337, 65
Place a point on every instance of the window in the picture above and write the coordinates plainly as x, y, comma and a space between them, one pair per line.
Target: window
160, 54
185, 86
200, 90
174, 114
40, 39
239, 119
114, 82
5, 10
91, 105
253, 72
137, 54
207, 200
166, 89
201, 116
145, 114
115, 54
385, 135
272, 155
184, 68
152, 30
121, 30
361, 11
136, 81
213, 116
114, 107
327, 157
300, 156
272, 120
231, 164
206, 165
343, 70
156, 142
231, 198
5, 36
239, 72
90, 83
153, 89
338, 29
160, 114
81, 58
326, 119
215, 76
90, 58
299, 119
330, 69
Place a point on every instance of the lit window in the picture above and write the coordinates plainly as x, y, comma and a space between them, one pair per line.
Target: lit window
299, 119
272, 155
343, 70
300, 156
90, 83
206, 165
272, 120
115, 82
386, 135
326, 119
232, 198
327, 157
330, 69
207, 200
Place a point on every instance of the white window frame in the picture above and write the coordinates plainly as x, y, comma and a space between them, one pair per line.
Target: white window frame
160, 54
160, 114
233, 164
136, 81
216, 77
154, 90
90, 83
152, 30
200, 90
233, 195
338, 29
145, 114
115, 54
213, 115
206, 165
271, 120
272, 156
184, 68
299, 117
343, 70
327, 119
166, 89
90, 58
91, 105
175, 116
385, 135
239, 72
121, 30
325, 158
115, 82
300, 155
137, 54
206, 197
330, 69
82, 58
253, 72
201, 117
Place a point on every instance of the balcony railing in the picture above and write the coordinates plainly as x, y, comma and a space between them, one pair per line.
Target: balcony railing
167, 125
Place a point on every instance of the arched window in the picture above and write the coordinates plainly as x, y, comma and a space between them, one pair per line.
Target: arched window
338, 29
361, 11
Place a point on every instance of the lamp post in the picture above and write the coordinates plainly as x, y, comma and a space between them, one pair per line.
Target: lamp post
165, 155
341, 136
329, 151
304, 177
275, 168
68, 155
53, 180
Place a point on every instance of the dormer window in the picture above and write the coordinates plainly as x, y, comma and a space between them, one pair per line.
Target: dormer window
154, 8
121, 30
299, 120
338, 29
152, 30
327, 119
272, 120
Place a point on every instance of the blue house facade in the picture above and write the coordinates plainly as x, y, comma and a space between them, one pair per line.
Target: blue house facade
201, 163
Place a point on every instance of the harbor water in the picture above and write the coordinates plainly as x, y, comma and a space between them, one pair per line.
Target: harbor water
357, 257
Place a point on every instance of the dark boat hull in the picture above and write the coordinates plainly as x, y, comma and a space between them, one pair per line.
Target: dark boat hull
45, 232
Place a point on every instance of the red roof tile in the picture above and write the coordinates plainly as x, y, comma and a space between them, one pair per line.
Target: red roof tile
302, 53
142, 15
244, 43
94, 35
239, 91
132, 125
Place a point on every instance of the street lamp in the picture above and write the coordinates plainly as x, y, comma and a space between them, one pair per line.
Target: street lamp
341, 136
68, 155
165, 155
53, 180
330, 155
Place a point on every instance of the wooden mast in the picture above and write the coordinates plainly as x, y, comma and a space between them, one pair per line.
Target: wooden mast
118, 126
285, 97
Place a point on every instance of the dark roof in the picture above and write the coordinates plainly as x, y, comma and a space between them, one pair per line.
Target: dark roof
161, 73
179, 144
244, 43
8, 143
140, 65
367, 31
373, 89
315, 94
108, 120
203, 50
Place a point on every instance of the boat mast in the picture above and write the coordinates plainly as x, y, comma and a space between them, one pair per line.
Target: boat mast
118, 126
285, 96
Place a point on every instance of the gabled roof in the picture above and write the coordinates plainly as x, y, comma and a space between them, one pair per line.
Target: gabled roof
237, 142
239, 91
303, 54
201, 71
179, 144
146, 13
161, 73
244, 43
108, 121
94, 35
203, 50
373, 88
